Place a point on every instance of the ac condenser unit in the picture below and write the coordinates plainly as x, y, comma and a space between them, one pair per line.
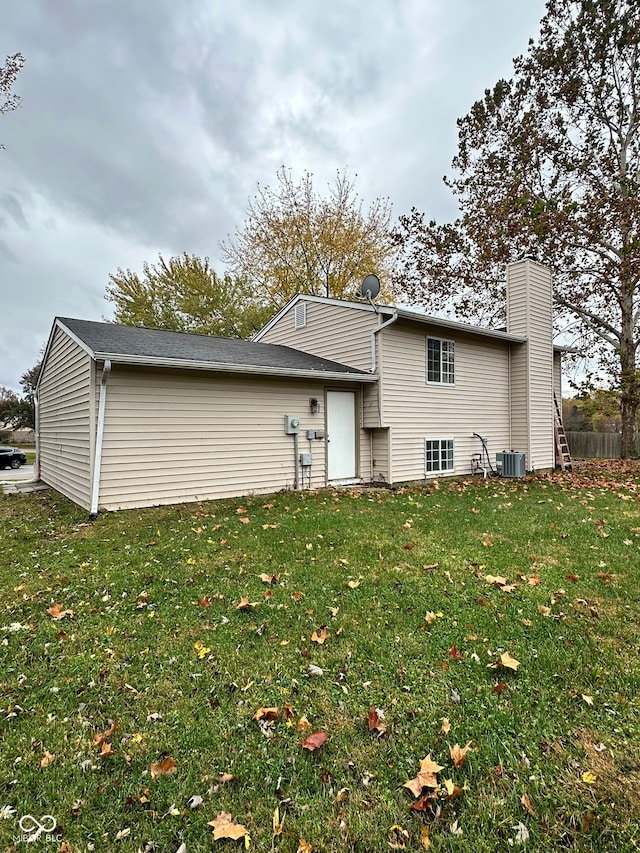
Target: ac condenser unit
511, 464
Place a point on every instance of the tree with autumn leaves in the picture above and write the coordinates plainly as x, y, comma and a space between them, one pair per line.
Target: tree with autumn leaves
548, 166
8, 72
296, 240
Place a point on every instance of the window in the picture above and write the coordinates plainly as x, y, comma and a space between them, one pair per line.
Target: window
438, 455
440, 361
300, 315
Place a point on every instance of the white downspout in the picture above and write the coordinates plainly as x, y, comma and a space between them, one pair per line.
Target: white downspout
36, 469
97, 460
384, 325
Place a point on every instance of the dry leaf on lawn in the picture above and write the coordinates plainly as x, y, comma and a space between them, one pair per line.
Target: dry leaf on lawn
46, 759
320, 637
459, 753
99, 739
526, 802
374, 720
56, 612
163, 768
268, 714
304, 847
224, 827
446, 726
314, 740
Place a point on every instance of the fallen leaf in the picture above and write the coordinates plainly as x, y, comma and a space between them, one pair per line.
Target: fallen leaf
163, 768
399, 837
244, 603
56, 612
303, 724
505, 660
459, 753
225, 778
487, 543
499, 687
99, 739
375, 721
278, 824
352, 584
46, 759
522, 833
426, 777
573, 578
534, 580
265, 578
204, 602
589, 778
123, 833
314, 741
224, 827
587, 699
454, 653
526, 802
446, 726
105, 750
243, 520
320, 637
304, 847
452, 789
424, 838
546, 611
269, 714
495, 580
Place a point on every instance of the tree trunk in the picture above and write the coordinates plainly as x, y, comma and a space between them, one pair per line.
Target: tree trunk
629, 400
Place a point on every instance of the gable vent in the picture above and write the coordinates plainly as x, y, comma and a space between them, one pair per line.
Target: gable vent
300, 315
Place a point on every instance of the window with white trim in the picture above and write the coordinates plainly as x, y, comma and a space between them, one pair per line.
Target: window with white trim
300, 315
440, 361
438, 455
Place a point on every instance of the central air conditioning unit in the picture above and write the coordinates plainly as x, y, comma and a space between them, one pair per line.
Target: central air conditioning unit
511, 464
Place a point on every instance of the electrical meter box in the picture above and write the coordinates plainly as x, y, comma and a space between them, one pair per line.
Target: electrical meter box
291, 424
306, 459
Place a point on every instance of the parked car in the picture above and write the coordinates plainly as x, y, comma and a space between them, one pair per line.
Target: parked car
11, 457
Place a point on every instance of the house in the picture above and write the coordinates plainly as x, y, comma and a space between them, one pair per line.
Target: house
328, 392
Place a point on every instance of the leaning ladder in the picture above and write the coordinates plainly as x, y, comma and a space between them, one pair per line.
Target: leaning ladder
563, 457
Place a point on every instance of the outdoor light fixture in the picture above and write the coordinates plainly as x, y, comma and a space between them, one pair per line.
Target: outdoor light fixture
314, 405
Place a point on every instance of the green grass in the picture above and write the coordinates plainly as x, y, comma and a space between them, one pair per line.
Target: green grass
128, 654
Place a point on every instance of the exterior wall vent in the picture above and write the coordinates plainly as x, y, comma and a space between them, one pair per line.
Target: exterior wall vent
300, 315
511, 464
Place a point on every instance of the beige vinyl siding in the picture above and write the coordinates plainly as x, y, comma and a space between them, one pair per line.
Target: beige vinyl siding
529, 312
415, 410
66, 422
380, 456
183, 436
332, 331
337, 332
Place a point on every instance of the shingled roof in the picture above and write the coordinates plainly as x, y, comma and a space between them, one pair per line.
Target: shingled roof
159, 347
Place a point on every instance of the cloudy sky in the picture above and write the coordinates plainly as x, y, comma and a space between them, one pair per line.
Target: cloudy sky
145, 126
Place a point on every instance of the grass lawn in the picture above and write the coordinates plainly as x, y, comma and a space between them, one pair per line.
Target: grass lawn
137, 652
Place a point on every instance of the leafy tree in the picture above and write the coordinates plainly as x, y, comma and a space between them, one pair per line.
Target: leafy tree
296, 241
19, 412
8, 73
184, 294
597, 410
548, 166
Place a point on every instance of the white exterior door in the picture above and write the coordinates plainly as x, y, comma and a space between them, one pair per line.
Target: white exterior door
341, 435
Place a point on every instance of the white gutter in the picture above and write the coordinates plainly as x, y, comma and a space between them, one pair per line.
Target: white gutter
384, 325
97, 460
218, 367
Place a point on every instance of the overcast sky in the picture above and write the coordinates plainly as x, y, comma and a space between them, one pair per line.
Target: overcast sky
145, 126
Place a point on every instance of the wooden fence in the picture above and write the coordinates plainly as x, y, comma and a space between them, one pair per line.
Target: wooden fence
600, 445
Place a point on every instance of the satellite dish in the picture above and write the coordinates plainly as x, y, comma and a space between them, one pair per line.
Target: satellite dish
370, 287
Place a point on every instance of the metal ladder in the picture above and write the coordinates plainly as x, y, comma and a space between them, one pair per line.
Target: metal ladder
563, 457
